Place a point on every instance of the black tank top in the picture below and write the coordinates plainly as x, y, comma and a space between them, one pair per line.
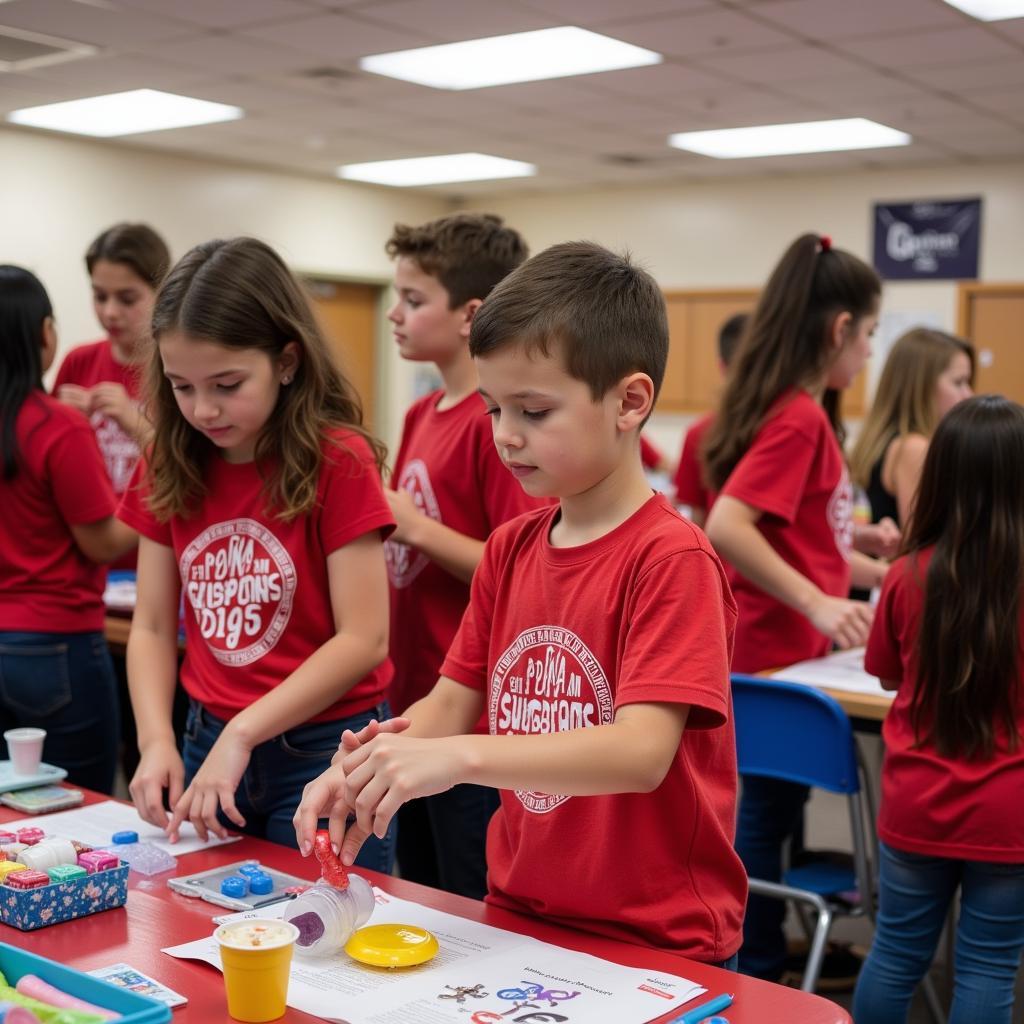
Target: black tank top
882, 502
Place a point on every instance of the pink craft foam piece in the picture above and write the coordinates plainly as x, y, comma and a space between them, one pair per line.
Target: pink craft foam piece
27, 879
97, 860
35, 988
30, 836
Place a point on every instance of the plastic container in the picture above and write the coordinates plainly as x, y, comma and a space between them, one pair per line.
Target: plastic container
145, 858
326, 917
134, 1008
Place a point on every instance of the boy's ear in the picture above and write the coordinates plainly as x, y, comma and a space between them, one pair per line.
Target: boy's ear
468, 310
839, 330
636, 400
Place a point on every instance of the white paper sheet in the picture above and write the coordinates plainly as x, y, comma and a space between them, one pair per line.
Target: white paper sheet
480, 974
842, 670
96, 823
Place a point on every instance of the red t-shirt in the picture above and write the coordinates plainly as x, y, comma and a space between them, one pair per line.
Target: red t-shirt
47, 585
448, 462
689, 479
650, 456
794, 472
87, 366
558, 639
257, 595
932, 805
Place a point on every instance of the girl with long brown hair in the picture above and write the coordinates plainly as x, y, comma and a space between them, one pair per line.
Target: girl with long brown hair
783, 515
947, 639
260, 502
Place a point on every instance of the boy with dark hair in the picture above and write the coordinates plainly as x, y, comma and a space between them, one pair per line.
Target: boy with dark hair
691, 490
597, 638
450, 492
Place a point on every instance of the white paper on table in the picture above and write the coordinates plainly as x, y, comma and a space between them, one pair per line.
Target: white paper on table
841, 670
94, 824
492, 970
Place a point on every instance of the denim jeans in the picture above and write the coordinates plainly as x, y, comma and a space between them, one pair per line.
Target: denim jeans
915, 894
63, 683
771, 812
446, 846
272, 785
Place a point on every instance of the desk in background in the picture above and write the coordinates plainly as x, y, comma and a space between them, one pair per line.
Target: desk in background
155, 917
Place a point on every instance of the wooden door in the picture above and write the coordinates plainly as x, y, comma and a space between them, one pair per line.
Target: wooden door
991, 317
349, 314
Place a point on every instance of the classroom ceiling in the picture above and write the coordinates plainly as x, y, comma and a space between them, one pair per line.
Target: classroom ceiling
920, 66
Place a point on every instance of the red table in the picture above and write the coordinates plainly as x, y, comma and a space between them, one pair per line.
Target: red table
155, 917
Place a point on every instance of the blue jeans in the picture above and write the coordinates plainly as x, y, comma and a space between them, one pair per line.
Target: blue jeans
63, 683
915, 894
771, 812
272, 785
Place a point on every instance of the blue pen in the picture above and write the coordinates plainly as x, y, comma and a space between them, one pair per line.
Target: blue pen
705, 1010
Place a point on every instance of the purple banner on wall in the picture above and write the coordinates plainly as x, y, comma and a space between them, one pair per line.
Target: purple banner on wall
934, 240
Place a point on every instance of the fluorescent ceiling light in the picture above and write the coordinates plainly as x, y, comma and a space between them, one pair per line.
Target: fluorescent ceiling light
990, 10
125, 113
783, 139
436, 170
520, 57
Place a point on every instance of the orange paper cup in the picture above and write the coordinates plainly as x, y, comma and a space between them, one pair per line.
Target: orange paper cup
256, 956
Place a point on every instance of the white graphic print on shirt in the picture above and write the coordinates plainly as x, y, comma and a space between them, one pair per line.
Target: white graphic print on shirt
240, 583
547, 681
840, 515
406, 563
119, 450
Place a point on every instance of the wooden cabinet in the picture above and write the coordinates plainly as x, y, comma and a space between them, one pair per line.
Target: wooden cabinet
991, 317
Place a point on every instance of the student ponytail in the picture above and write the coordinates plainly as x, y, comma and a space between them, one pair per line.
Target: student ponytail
969, 508
786, 345
24, 307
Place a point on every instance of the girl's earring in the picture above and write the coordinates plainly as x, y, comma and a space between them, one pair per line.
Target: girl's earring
286, 380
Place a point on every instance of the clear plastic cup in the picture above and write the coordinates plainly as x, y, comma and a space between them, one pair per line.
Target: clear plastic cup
26, 749
256, 956
326, 917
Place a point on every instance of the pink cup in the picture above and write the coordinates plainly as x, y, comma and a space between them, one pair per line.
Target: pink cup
26, 749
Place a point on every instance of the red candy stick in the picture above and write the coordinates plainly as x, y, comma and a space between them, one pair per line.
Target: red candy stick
331, 868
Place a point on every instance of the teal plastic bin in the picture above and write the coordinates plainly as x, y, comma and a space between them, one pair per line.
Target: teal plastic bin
134, 1008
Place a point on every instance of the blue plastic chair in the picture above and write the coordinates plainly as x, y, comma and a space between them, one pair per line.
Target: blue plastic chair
799, 734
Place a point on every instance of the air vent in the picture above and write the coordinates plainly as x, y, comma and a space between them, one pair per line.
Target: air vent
327, 75
22, 51
625, 159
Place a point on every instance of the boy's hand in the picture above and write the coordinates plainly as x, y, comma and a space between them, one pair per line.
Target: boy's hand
846, 622
324, 797
407, 515
389, 771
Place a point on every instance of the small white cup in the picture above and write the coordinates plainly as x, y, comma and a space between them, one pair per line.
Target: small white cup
26, 749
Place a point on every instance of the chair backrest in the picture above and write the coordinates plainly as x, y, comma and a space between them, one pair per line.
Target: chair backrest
793, 732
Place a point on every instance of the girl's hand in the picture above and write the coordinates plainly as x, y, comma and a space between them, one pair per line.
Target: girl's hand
213, 787
881, 539
848, 623
387, 772
407, 515
76, 396
160, 768
114, 402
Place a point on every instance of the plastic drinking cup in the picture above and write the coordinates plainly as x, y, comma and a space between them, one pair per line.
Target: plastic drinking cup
256, 956
26, 749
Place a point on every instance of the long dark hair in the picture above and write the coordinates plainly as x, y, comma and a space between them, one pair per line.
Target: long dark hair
24, 307
786, 344
239, 293
970, 507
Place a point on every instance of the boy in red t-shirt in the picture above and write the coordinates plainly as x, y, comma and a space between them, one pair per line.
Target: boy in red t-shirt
691, 490
597, 639
450, 492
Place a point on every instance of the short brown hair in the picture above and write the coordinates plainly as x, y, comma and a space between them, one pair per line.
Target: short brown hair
137, 246
469, 253
605, 314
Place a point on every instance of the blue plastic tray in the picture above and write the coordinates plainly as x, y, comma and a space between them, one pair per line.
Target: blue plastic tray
134, 1008
46, 776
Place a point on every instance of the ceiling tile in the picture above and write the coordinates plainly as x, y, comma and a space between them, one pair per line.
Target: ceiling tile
223, 13
88, 23
339, 37
780, 66
450, 21
668, 79
831, 20
852, 89
601, 12
919, 49
235, 55
976, 75
703, 33
94, 76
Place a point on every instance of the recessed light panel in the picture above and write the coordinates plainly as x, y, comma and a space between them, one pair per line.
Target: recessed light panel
436, 170
786, 139
990, 10
125, 113
502, 60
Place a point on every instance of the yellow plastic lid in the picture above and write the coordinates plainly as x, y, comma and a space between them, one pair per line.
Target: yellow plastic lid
392, 945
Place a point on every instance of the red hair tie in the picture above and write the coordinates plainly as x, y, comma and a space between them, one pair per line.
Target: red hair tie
825, 241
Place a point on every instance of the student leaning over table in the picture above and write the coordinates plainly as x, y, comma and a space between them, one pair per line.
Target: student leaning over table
597, 638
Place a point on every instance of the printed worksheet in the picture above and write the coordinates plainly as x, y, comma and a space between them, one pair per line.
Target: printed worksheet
481, 975
841, 670
94, 824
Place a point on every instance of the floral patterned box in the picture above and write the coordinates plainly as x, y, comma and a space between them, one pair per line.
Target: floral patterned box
29, 909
